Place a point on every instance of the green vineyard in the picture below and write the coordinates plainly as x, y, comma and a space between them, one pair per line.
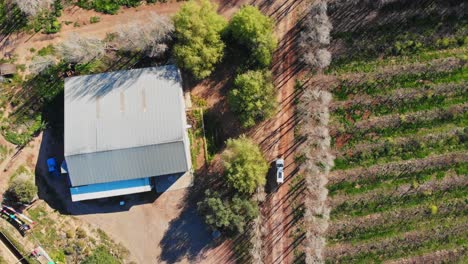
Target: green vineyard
398, 192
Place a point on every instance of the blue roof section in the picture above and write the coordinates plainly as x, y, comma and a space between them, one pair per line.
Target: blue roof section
93, 191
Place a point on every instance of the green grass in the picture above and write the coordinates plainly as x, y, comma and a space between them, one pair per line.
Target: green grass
408, 80
406, 126
4, 151
374, 64
380, 52
395, 151
48, 50
391, 179
426, 101
457, 208
213, 134
385, 203
406, 248
196, 137
415, 36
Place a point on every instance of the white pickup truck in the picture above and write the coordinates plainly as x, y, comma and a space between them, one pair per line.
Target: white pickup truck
279, 170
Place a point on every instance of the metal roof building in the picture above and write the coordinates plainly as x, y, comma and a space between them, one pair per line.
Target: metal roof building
123, 126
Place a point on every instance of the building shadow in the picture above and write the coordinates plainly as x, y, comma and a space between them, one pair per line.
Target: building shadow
55, 189
188, 236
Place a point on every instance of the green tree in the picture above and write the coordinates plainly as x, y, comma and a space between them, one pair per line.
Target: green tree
231, 215
216, 213
22, 189
253, 97
198, 45
253, 30
244, 211
244, 164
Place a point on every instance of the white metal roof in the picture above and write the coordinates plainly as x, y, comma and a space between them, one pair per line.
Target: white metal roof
126, 120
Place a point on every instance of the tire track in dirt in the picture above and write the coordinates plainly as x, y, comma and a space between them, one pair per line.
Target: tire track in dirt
277, 210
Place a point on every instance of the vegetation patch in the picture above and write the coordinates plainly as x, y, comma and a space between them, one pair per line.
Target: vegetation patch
398, 127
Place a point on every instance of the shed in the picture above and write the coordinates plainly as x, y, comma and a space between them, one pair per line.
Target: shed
123, 128
7, 69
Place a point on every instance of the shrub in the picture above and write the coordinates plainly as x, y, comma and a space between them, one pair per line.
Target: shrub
80, 232
77, 49
253, 97
22, 188
253, 30
198, 33
244, 164
107, 6
70, 234
227, 215
32, 7
150, 38
94, 19
100, 255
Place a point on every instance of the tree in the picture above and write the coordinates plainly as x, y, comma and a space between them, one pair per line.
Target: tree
150, 38
244, 211
216, 213
198, 45
22, 188
253, 97
315, 36
253, 30
245, 166
231, 215
33, 7
77, 49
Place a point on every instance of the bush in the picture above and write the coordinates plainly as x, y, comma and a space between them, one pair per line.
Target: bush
22, 189
80, 232
230, 215
253, 30
253, 97
70, 234
244, 164
94, 19
198, 33
99, 256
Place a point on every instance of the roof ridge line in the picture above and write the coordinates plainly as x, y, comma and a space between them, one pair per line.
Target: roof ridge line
142, 146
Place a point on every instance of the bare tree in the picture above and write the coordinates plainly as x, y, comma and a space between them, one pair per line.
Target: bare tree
316, 36
32, 7
313, 110
150, 38
40, 63
79, 49
257, 232
319, 58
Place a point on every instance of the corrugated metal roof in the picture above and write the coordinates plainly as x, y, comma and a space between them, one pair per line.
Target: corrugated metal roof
106, 111
131, 120
125, 164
